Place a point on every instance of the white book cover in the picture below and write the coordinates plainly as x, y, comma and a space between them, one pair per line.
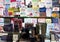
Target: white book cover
34, 20
28, 1
1, 19
49, 27
48, 3
55, 8
13, 4
27, 20
41, 4
48, 12
1, 11
41, 20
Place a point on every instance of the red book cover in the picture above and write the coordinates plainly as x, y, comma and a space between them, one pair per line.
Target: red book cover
13, 0
20, 23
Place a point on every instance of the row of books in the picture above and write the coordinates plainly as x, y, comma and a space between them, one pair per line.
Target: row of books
32, 20
31, 9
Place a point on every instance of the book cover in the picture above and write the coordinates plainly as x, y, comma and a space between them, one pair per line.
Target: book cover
49, 27
12, 0
42, 14
48, 12
48, 21
54, 20
41, 20
43, 9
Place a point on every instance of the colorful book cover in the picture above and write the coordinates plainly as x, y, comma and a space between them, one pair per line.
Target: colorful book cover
11, 11
54, 14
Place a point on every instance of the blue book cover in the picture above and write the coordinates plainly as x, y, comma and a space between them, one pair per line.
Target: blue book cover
43, 9
54, 20
7, 6
55, 3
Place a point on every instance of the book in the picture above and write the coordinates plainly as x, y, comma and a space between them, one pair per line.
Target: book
12, 0
34, 20
27, 20
48, 3
55, 3
42, 14
49, 27
7, 6
55, 8
48, 12
41, 20
43, 9
48, 21
54, 20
